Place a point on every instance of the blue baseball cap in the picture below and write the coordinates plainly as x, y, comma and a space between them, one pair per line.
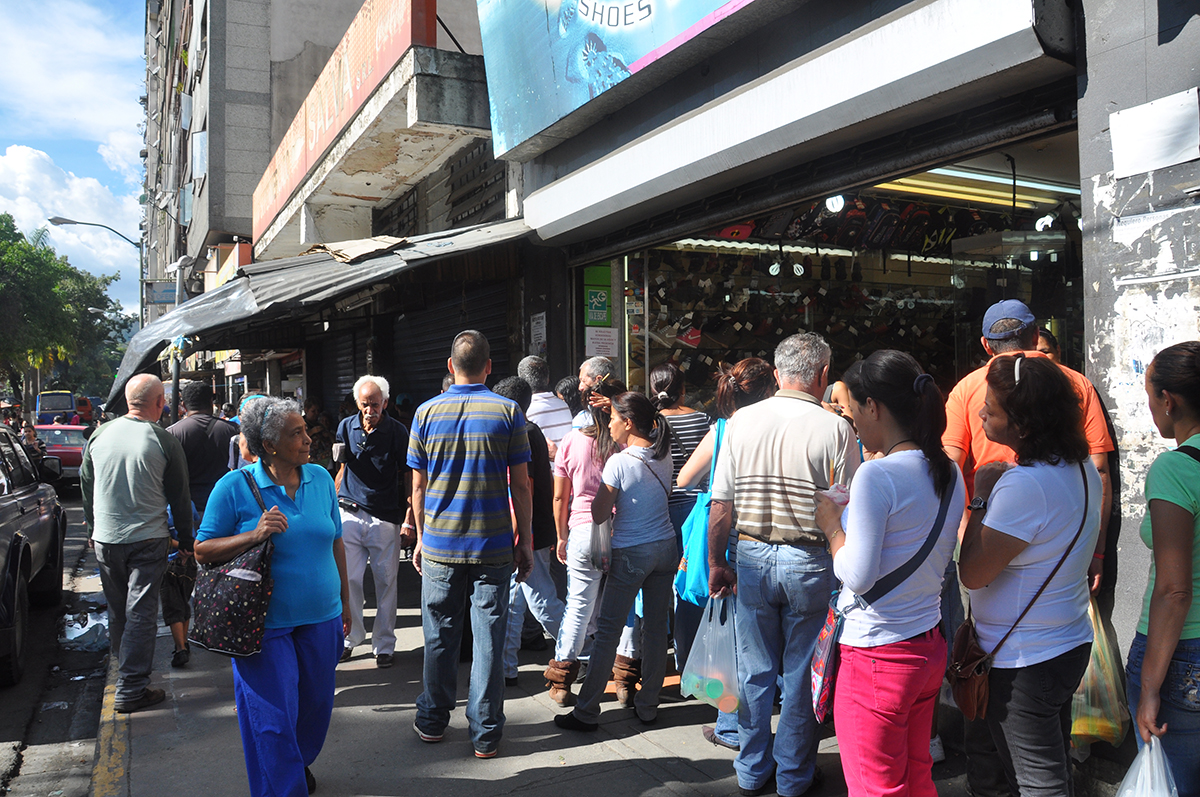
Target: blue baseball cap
1009, 308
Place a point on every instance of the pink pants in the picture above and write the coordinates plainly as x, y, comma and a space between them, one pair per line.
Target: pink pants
883, 703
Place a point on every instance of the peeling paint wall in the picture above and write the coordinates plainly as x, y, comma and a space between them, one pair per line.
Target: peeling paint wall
1141, 243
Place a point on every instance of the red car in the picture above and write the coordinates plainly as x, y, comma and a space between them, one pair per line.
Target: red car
66, 443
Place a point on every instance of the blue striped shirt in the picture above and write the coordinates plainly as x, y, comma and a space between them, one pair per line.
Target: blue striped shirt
465, 440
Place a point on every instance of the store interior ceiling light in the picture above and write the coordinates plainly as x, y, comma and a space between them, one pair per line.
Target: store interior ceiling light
1045, 222
834, 204
906, 186
1006, 180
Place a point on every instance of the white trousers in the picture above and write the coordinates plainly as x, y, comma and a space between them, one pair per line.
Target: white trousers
369, 540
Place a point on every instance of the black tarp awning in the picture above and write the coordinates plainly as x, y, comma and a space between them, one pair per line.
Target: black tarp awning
272, 291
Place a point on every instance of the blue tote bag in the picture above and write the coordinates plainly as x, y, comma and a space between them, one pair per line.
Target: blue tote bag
691, 582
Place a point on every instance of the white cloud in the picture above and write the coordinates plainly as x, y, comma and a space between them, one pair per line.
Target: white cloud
33, 188
71, 70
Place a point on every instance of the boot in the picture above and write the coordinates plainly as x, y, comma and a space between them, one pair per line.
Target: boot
559, 677
626, 674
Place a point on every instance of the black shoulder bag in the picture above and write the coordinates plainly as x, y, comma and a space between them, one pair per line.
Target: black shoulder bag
229, 603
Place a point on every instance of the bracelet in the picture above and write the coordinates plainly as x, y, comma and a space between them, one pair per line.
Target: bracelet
839, 531
408, 526
1097, 556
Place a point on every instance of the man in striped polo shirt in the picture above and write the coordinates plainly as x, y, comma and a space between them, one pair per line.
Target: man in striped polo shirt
467, 447
776, 454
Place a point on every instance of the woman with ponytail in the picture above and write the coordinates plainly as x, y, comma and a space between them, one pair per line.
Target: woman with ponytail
636, 483
893, 654
577, 469
1165, 653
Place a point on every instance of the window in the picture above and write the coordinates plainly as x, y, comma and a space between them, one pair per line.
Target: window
20, 470
199, 141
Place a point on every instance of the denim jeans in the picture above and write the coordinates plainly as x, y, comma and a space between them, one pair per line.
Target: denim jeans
1029, 715
446, 592
650, 568
782, 599
583, 597
539, 594
131, 576
1179, 708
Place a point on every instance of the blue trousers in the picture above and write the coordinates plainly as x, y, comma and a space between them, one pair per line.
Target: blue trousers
284, 700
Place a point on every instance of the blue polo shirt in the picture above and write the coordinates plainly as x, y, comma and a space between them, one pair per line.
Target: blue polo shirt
465, 440
308, 588
373, 463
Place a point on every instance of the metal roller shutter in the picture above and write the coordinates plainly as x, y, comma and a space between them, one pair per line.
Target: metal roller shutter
423, 338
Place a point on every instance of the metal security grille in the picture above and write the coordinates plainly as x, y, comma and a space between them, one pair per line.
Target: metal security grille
423, 337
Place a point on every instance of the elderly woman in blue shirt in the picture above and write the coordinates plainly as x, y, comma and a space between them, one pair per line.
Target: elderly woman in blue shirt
284, 693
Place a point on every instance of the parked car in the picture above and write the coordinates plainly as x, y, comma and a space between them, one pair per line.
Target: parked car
66, 443
33, 531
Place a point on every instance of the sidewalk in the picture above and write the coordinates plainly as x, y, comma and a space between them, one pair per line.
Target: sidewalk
190, 745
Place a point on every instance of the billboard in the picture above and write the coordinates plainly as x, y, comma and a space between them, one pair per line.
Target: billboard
548, 58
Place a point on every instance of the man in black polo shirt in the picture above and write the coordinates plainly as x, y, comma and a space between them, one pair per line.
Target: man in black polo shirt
373, 485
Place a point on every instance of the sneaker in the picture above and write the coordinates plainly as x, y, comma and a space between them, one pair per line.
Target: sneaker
180, 658
710, 735
937, 750
486, 753
428, 738
151, 697
384, 660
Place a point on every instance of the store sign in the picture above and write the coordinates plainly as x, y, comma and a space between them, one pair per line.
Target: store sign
547, 58
376, 40
160, 292
597, 307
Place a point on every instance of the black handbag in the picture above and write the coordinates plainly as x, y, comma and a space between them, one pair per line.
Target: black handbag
229, 603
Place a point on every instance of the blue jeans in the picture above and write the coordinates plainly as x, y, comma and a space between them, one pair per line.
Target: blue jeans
540, 595
446, 592
782, 599
284, 698
649, 568
1179, 708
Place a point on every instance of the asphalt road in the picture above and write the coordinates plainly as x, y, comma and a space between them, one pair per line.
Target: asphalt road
48, 721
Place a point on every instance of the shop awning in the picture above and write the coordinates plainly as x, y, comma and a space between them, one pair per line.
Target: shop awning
274, 291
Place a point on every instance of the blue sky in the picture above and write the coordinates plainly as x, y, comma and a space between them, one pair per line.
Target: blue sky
71, 72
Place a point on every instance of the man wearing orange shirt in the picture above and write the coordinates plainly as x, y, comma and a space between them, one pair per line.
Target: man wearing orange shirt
1008, 328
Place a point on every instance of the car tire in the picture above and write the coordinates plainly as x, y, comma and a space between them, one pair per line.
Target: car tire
12, 666
46, 589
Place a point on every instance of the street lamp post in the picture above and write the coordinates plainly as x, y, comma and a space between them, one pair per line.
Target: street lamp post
59, 221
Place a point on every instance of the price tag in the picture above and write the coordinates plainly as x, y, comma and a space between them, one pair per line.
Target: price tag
822, 291
660, 279
853, 331
662, 293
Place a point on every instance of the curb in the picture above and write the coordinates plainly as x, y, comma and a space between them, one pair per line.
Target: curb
110, 775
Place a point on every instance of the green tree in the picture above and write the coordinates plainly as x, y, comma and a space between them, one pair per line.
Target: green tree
53, 315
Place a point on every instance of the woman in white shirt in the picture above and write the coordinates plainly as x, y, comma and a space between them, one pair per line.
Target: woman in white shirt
1024, 522
892, 652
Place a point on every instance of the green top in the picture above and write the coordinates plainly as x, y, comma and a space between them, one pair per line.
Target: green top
1175, 477
132, 469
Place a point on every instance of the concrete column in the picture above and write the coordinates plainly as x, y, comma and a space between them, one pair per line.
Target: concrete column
1141, 289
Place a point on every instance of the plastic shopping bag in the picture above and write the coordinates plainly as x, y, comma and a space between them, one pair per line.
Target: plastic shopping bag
1149, 775
602, 545
711, 670
1099, 711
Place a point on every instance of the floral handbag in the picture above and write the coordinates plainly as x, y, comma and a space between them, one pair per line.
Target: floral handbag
229, 604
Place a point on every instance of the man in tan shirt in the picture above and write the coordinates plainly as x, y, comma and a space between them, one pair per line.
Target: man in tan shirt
775, 455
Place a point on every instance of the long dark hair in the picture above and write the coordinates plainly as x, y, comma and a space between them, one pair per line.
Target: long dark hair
1043, 405
666, 386
648, 421
1176, 369
608, 386
748, 381
567, 389
895, 380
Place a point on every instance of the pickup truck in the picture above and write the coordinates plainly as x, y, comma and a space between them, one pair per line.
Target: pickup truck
33, 530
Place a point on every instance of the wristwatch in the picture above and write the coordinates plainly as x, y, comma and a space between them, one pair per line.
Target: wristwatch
977, 504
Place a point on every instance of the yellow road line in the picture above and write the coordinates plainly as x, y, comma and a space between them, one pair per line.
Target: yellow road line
110, 774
